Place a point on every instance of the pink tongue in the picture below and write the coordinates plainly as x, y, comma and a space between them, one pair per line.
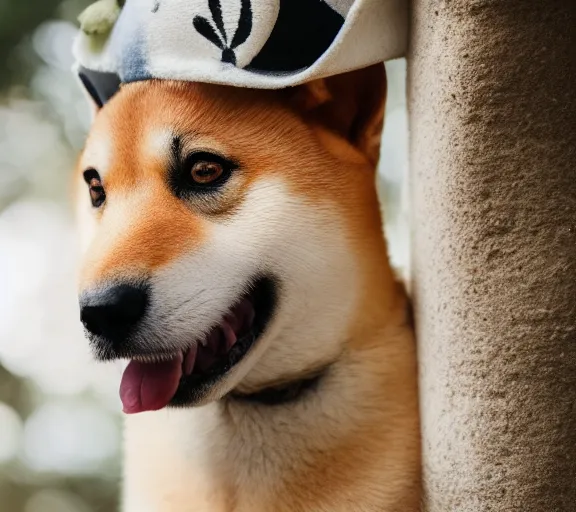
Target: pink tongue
149, 386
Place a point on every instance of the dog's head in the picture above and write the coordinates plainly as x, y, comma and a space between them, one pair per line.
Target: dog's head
224, 232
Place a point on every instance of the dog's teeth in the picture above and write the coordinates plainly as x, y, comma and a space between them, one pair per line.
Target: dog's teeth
229, 335
154, 358
190, 359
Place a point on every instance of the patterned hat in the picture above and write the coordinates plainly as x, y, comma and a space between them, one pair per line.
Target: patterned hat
264, 44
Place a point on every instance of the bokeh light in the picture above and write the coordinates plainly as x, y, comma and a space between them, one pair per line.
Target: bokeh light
69, 437
59, 410
11, 438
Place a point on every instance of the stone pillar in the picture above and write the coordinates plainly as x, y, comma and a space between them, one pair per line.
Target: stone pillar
492, 98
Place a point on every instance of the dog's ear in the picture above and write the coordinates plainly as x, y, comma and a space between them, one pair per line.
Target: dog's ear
98, 87
351, 104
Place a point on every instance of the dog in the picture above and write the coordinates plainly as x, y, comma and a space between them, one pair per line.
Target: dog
233, 254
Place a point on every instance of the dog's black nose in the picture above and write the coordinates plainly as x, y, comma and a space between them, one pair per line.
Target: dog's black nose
112, 312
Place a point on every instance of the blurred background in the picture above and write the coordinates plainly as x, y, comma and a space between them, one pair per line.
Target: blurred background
60, 424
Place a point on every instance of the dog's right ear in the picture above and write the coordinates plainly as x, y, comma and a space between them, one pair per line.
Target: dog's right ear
98, 86
350, 104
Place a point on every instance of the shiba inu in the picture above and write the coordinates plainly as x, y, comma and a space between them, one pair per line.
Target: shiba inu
233, 254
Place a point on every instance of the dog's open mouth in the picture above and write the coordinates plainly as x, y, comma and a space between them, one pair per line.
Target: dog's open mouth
182, 379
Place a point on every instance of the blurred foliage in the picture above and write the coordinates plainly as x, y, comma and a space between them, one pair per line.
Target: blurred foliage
18, 19
39, 137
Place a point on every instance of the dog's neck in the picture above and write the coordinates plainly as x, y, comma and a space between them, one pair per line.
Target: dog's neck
295, 444
284, 393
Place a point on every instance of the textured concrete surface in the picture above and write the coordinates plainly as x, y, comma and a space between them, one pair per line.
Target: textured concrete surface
492, 93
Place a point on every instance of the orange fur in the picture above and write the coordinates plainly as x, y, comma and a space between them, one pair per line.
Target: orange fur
321, 141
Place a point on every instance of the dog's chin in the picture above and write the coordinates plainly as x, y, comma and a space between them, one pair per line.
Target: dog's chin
209, 368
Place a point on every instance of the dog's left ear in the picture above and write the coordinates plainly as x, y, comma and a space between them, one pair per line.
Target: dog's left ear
351, 104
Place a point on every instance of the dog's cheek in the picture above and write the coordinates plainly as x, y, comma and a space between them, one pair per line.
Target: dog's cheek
86, 222
303, 244
194, 292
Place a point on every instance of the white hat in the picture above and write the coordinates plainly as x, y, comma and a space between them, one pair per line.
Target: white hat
266, 44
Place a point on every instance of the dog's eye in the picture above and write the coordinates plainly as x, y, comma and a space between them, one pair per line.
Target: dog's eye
204, 172
97, 193
197, 174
